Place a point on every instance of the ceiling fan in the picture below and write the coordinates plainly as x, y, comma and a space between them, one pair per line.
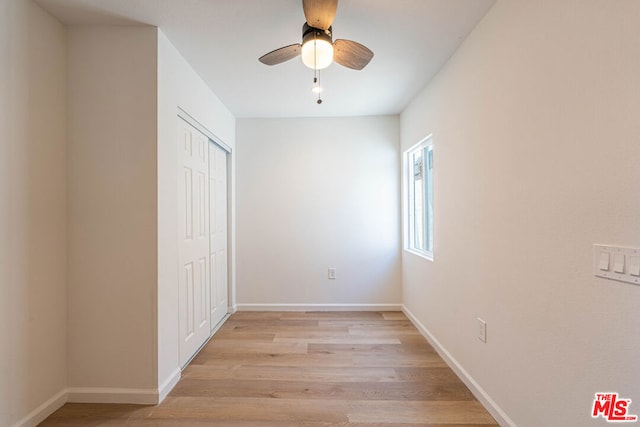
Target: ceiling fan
318, 50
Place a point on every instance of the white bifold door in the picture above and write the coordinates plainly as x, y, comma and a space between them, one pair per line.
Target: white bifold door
202, 247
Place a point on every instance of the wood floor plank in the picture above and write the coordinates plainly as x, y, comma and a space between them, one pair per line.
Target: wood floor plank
304, 369
261, 316
460, 412
415, 391
271, 332
363, 323
224, 335
252, 325
251, 409
283, 359
280, 336
383, 330
399, 360
243, 347
339, 340
289, 373
330, 315
370, 349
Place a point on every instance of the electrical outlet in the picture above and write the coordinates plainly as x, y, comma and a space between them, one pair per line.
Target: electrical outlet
332, 273
482, 330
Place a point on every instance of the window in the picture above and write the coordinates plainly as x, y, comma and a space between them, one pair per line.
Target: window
418, 165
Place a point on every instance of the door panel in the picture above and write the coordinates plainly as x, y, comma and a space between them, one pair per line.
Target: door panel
218, 233
193, 245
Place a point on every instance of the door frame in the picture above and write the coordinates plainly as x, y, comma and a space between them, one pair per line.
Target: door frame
206, 132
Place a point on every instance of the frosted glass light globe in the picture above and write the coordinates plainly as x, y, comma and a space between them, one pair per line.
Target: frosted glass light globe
323, 52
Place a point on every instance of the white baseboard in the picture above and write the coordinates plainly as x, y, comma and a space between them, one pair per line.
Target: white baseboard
99, 395
486, 400
168, 384
139, 396
319, 307
39, 414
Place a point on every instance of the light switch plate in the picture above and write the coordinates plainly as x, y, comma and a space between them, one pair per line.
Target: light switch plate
624, 263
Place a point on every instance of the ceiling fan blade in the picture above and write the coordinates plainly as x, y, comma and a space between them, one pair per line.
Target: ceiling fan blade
351, 54
320, 13
281, 55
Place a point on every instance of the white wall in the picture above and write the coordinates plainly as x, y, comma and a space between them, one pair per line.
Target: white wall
178, 86
535, 123
112, 211
32, 211
312, 194
111, 333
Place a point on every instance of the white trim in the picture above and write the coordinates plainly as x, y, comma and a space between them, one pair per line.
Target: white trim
168, 384
319, 307
39, 414
138, 396
484, 398
422, 254
202, 129
407, 198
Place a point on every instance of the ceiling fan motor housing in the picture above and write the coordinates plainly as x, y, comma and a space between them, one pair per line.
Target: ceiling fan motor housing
310, 33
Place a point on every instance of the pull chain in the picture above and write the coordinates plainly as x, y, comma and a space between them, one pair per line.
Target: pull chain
316, 72
317, 81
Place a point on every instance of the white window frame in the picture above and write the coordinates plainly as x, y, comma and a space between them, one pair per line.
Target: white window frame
424, 250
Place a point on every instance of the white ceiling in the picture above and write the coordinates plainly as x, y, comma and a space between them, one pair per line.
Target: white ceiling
223, 39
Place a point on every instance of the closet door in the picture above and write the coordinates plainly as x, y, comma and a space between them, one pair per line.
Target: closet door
218, 233
193, 245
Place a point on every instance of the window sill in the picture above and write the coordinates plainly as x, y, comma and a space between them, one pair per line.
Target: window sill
426, 255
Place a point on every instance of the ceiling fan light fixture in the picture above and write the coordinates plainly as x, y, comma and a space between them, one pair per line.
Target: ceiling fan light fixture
317, 49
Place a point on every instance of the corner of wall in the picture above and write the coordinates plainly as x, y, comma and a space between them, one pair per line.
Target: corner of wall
490, 405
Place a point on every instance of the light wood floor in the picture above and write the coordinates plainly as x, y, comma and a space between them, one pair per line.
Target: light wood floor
304, 369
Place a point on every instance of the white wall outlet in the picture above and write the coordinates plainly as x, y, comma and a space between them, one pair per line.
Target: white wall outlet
332, 273
482, 330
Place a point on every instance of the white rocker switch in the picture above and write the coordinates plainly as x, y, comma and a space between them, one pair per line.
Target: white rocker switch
634, 265
618, 265
604, 261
